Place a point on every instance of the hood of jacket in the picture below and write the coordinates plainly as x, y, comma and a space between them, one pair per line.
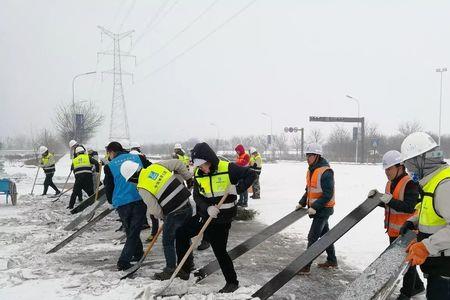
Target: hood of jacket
204, 151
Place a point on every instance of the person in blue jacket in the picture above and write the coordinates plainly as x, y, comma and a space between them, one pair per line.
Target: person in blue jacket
125, 198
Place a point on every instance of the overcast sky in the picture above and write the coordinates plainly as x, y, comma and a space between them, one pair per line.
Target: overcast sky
288, 58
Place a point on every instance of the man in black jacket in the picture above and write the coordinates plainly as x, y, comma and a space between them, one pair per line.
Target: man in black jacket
213, 178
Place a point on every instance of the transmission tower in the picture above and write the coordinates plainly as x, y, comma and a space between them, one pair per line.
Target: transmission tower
118, 129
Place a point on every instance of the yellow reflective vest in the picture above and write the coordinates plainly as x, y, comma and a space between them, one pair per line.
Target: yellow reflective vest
81, 164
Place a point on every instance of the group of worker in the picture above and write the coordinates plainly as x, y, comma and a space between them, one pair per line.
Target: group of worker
416, 197
417, 200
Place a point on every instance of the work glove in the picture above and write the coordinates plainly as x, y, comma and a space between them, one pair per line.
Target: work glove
232, 190
417, 253
385, 198
311, 211
408, 225
372, 193
213, 211
299, 206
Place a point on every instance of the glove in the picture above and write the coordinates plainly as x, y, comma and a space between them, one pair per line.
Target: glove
417, 253
311, 211
110, 206
213, 211
232, 190
299, 206
385, 198
372, 193
408, 225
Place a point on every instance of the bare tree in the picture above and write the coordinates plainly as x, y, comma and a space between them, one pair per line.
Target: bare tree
340, 146
315, 136
281, 143
297, 141
65, 121
406, 128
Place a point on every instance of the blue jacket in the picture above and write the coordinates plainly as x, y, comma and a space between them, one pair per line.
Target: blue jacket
123, 192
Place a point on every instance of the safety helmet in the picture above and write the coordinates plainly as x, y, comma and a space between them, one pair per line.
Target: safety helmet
252, 150
177, 146
392, 158
72, 143
417, 143
135, 145
128, 168
43, 149
79, 150
314, 148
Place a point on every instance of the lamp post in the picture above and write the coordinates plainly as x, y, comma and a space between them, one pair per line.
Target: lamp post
357, 134
73, 100
271, 133
218, 135
440, 70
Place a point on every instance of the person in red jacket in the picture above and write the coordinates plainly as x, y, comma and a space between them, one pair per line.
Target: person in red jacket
242, 160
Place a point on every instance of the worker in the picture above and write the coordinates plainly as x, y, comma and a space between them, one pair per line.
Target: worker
425, 162
256, 164
242, 159
82, 169
319, 198
399, 201
47, 163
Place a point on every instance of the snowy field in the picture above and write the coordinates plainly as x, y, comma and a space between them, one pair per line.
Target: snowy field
85, 269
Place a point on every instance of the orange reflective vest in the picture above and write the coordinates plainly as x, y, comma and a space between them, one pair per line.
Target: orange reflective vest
393, 220
314, 190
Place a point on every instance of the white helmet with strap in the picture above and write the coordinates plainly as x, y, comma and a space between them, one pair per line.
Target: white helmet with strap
72, 143
314, 148
128, 168
416, 144
79, 150
42, 149
392, 158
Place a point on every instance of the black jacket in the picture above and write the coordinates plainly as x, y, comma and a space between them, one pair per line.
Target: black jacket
109, 179
242, 177
327, 184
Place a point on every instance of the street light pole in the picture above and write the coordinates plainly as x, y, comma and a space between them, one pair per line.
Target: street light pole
218, 135
73, 100
357, 138
271, 133
440, 70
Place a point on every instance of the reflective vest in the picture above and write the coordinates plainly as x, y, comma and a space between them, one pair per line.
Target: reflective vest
159, 181
48, 163
314, 189
430, 222
213, 186
393, 220
184, 159
258, 160
81, 164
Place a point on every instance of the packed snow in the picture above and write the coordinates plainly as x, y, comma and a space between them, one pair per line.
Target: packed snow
86, 268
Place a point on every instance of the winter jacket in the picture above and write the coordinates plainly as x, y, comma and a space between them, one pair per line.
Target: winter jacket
327, 184
241, 177
48, 163
118, 191
243, 158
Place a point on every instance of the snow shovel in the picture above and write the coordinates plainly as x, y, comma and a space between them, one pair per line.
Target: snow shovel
194, 244
136, 267
64, 186
35, 178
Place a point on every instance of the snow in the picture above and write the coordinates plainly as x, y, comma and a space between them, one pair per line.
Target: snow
85, 268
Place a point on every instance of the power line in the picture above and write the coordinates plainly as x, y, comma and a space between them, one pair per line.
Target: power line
205, 37
179, 33
133, 3
152, 20
116, 15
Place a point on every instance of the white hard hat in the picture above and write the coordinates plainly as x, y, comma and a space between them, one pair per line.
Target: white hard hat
79, 150
177, 146
43, 149
417, 143
392, 158
252, 150
314, 148
72, 143
128, 168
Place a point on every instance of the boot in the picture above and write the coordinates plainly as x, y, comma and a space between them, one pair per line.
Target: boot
306, 270
182, 274
163, 275
229, 288
203, 245
328, 264
122, 266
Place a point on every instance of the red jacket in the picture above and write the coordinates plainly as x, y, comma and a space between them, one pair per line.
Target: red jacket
243, 158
